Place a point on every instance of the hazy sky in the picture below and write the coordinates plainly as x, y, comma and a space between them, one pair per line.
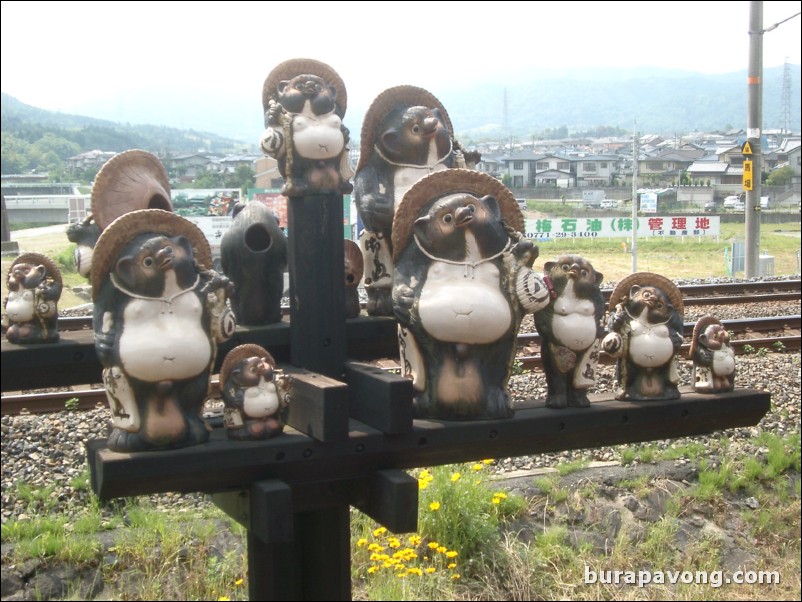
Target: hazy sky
59, 55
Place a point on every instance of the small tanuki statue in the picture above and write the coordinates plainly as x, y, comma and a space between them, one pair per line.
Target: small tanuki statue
34, 288
159, 313
406, 135
304, 102
253, 253
645, 334
570, 329
462, 284
712, 356
255, 394
354, 268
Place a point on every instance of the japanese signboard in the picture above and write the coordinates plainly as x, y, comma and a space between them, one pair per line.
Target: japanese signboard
748, 175
648, 202
618, 227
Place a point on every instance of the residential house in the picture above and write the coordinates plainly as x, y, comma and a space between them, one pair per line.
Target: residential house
667, 166
187, 167
595, 170
94, 159
554, 170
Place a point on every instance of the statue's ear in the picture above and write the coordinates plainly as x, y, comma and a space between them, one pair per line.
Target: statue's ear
391, 141
282, 85
599, 277
183, 242
634, 290
125, 268
548, 266
491, 203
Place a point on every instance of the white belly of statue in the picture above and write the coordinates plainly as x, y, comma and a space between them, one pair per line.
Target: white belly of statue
455, 308
575, 330
158, 345
19, 306
317, 138
650, 347
723, 362
260, 401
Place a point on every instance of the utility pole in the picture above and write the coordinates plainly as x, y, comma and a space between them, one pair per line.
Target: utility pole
753, 134
635, 152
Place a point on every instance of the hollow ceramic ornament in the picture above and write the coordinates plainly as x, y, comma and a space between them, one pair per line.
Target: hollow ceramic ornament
253, 254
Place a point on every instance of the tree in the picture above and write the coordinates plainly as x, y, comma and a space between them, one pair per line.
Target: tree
781, 176
243, 177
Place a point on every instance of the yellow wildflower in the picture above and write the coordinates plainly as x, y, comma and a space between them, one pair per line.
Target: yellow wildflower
488, 461
239, 582
431, 569
497, 500
477, 467
442, 549
434, 506
361, 542
414, 540
434, 545
452, 565
455, 477
455, 576
380, 531
372, 569
452, 554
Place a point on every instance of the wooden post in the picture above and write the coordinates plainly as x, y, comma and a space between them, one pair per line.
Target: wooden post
317, 283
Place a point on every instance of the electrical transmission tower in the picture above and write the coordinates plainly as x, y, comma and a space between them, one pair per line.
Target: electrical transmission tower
786, 98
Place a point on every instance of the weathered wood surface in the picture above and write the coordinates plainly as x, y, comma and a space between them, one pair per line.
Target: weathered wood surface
295, 458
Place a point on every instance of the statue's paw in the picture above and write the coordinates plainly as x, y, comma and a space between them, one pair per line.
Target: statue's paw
380, 302
556, 401
498, 404
578, 399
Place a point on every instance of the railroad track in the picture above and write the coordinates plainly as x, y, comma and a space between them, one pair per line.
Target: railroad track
748, 335
697, 294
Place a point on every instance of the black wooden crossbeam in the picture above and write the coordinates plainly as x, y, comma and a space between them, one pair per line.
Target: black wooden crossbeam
295, 458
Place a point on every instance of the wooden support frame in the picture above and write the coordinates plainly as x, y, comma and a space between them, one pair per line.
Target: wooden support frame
350, 433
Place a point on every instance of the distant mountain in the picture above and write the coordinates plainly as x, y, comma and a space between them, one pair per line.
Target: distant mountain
30, 124
662, 101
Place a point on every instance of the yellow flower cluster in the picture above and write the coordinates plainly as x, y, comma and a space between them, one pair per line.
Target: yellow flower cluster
416, 559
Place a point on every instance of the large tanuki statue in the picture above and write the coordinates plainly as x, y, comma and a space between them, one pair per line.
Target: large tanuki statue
406, 135
304, 102
645, 334
463, 282
159, 313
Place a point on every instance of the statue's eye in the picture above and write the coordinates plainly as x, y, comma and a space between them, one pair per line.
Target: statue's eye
448, 218
318, 87
565, 267
584, 273
659, 305
147, 262
299, 86
415, 128
471, 208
